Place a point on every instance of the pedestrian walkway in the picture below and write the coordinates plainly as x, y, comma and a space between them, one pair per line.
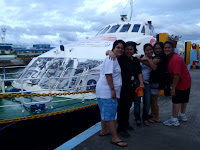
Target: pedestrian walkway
157, 136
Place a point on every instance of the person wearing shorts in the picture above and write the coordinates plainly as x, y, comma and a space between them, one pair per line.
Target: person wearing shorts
108, 91
181, 96
181, 84
155, 80
108, 108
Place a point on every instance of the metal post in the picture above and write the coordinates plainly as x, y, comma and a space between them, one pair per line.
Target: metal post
3, 87
21, 81
22, 93
50, 92
4, 72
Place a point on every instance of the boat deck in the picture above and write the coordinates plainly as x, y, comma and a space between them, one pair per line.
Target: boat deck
156, 136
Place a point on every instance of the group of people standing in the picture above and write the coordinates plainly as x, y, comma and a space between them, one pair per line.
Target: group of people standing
122, 73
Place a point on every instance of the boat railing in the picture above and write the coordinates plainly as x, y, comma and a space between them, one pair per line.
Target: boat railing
49, 89
76, 88
11, 67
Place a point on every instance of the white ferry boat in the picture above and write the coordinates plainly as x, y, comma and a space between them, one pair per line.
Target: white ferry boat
73, 67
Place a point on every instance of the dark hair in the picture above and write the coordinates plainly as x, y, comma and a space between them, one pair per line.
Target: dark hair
160, 44
117, 42
146, 45
130, 43
170, 43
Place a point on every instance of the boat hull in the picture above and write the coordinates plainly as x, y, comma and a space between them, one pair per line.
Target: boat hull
48, 132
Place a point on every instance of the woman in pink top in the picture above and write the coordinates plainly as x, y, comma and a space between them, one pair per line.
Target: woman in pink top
181, 83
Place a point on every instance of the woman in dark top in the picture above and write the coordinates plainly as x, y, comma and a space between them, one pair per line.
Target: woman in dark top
156, 80
131, 72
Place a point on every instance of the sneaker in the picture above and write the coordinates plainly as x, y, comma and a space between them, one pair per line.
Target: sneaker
171, 123
182, 118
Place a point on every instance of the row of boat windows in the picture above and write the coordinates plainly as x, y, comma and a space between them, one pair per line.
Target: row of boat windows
125, 28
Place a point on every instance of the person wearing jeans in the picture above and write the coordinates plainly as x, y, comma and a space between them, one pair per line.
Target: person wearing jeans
147, 66
146, 101
146, 105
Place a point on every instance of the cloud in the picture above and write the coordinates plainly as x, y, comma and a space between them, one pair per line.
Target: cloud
35, 21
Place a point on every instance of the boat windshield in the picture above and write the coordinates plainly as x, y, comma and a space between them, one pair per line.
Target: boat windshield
136, 27
125, 28
143, 30
99, 31
106, 29
61, 73
114, 28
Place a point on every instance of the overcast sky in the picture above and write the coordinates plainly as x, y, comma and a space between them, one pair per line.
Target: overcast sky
29, 22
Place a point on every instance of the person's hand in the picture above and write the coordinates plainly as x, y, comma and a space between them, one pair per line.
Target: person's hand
112, 56
113, 94
138, 57
172, 92
144, 58
142, 84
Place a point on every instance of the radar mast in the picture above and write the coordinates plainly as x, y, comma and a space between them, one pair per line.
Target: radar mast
124, 16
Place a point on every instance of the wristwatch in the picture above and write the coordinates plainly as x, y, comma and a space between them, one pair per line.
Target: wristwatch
112, 89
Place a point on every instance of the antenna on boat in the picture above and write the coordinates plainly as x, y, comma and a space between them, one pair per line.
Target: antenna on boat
131, 5
124, 15
60, 42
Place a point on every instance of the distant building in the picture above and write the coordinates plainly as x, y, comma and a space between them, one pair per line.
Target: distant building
37, 49
5, 48
41, 46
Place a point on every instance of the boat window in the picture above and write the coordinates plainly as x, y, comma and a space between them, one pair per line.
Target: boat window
125, 28
99, 32
136, 27
106, 29
143, 30
114, 28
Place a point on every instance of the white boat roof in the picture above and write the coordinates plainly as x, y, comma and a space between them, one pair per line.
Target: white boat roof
95, 47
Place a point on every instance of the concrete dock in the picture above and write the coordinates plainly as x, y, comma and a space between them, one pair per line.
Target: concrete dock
158, 136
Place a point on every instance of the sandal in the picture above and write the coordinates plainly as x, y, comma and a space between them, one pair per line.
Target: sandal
117, 143
138, 122
151, 120
146, 123
154, 120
